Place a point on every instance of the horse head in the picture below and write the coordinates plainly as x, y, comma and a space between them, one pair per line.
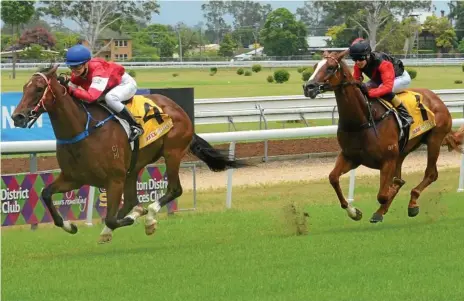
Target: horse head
329, 74
38, 94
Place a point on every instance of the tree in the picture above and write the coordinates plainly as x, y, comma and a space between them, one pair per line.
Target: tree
15, 13
93, 17
227, 46
214, 13
313, 16
283, 35
457, 13
39, 36
371, 17
445, 36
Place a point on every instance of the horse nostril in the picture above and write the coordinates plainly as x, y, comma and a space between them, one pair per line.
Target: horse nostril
19, 119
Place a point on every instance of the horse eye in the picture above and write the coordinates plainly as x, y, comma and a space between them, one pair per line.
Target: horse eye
39, 89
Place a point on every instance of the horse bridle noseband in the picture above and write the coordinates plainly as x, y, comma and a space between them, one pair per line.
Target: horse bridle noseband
34, 114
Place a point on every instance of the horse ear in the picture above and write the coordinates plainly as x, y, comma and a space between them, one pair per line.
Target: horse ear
342, 54
52, 71
326, 53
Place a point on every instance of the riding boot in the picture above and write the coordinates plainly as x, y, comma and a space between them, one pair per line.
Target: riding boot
135, 129
402, 111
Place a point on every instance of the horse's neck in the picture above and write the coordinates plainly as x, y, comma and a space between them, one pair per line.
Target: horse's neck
67, 117
351, 104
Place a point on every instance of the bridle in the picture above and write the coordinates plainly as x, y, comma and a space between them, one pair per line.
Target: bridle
35, 114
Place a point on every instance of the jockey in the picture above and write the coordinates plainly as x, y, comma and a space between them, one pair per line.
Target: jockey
387, 75
96, 76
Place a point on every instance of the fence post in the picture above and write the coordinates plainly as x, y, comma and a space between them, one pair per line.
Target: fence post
229, 177
461, 175
351, 187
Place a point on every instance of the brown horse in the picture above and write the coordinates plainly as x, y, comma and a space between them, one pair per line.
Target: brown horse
375, 143
100, 154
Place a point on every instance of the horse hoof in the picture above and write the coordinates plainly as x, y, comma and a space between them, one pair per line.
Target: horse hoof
105, 238
355, 214
151, 228
73, 229
412, 212
376, 218
69, 227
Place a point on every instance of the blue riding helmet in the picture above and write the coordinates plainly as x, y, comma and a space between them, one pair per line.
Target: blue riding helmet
77, 55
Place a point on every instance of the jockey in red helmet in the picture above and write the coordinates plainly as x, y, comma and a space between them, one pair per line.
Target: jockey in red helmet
387, 75
96, 76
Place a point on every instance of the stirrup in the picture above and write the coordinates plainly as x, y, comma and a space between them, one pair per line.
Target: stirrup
135, 133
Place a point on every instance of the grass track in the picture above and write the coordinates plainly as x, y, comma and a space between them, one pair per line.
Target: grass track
249, 253
226, 83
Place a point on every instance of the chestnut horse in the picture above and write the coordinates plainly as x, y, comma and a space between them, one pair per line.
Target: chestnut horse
96, 150
375, 143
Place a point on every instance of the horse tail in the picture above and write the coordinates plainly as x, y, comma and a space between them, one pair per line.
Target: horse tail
455, 140
217, 160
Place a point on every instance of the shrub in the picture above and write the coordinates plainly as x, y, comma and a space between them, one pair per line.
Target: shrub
131, 73
306, 74
462, 67
248, 73
281, 76
213, 69
175, 74
256, 68
317, 56
240, 71
212, 73
301, 69
270, 79
412, 72
458, 81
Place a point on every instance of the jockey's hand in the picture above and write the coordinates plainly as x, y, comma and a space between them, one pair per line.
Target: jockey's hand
63, 80
364, 89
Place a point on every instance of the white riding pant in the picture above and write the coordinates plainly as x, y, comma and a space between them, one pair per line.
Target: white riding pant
122, 92
400, 84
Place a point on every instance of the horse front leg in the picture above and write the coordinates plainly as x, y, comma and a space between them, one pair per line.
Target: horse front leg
114, 191
342, 166
389, 187
130, 211
61, 184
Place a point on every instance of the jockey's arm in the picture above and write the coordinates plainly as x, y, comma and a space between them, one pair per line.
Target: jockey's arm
99, 83
387, 74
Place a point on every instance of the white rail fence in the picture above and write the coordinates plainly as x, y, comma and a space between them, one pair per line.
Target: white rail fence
228, 137
290, 107
235, 64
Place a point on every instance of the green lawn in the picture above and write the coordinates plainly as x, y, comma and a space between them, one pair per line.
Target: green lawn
249, 252
226, 83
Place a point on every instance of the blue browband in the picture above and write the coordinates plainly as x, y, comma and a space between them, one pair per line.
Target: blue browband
87, 131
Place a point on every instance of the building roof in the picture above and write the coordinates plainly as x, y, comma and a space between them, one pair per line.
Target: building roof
317, 41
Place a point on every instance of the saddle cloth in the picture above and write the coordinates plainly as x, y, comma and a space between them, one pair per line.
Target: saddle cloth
154, 121
424, 119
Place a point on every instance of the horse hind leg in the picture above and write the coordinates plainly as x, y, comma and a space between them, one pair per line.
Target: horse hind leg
61, 184
342, 166
174, 189
430, 175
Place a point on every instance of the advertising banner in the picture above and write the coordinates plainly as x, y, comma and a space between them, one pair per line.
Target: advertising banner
41, 130
21, 202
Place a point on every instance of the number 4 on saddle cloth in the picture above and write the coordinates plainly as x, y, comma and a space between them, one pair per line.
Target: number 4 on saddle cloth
424, 119
154, 121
